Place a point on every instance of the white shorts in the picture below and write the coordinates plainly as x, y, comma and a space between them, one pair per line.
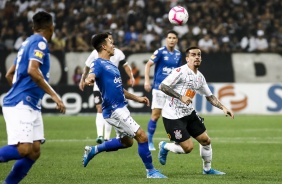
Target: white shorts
158, 99
123, 123
23, 124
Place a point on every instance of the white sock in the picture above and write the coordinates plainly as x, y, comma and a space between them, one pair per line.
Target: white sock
100, 122
175, 148
108, 129
206, 154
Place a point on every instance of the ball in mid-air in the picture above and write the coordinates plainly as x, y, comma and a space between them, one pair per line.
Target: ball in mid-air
178, 15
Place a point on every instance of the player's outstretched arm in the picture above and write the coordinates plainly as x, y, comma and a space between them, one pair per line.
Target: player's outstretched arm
215, 102
147, 83
170, 92
140, 99
83, 77
38, 78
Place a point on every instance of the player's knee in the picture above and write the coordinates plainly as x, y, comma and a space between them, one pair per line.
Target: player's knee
206, 142
24, 149
126, 142
141, 136
187, 149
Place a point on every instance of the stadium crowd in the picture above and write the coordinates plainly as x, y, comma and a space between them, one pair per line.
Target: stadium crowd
140, 25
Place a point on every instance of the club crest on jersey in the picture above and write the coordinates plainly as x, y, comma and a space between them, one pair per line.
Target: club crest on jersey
178, 69
177, 134
38, 54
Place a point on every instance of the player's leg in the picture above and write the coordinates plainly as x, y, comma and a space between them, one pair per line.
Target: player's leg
200, 134
19, 143
176, 131
145, 154
22, 166
28, 135
158, 101
108, 129
124, 136
100, 121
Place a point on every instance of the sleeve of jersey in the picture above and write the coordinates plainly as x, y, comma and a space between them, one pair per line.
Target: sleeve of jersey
37, 51
205, 90
172, 79
155, 56
121, 55
95, 69
91, 58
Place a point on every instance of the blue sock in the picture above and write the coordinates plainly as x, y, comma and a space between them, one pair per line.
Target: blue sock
8, 153
110, 145
152, 125
19, 170
145, 155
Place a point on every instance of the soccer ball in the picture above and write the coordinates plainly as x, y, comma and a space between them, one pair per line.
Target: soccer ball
178, 15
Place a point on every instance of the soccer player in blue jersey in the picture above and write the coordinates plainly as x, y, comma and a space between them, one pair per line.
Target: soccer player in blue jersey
29, 77
165, 60
114, 105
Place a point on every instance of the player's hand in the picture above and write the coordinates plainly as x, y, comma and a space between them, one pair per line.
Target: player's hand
89, 81
144, 100
60, 105
185, 99
81, 85
228, 112
147, 87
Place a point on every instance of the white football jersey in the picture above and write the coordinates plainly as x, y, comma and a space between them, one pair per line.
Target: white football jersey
115, 59
181, 80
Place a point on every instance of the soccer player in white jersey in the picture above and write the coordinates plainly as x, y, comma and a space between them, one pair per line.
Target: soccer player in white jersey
180, 119
29, 77
165, 60
115, 112
104, 128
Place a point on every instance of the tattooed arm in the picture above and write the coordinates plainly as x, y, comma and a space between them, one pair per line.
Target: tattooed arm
170, 92
215, 102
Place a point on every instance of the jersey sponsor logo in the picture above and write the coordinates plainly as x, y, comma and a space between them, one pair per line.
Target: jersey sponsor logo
177, 134
42, 45
117, 80
167, 70
153, 57
38, 54
164, 52
166, 58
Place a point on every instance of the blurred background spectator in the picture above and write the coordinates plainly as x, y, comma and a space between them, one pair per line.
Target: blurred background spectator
77, 75
139, 25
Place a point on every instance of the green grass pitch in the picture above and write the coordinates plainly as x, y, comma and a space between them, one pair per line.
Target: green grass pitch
248, 149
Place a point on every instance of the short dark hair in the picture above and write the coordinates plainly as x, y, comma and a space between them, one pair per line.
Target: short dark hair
42, 20
173, 32
190, 48
97, 40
